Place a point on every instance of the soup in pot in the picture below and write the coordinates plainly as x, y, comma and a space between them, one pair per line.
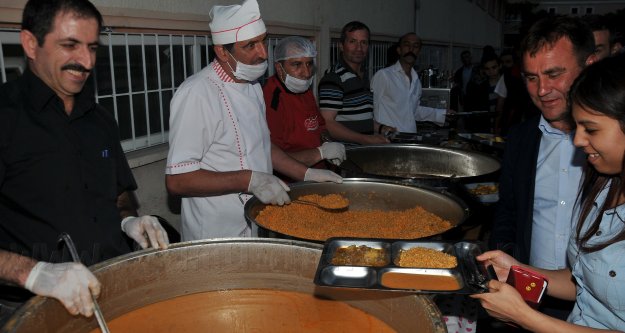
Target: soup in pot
247, 310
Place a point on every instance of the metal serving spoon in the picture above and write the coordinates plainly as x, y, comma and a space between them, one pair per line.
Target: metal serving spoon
96, 309
326, 208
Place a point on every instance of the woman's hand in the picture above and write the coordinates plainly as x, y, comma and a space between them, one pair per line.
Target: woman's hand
500, 261
503, 302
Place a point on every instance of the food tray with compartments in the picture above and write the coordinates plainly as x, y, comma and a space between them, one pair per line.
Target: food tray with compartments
374, 264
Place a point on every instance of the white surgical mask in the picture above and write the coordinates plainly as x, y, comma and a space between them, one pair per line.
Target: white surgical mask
296, 85
248, 72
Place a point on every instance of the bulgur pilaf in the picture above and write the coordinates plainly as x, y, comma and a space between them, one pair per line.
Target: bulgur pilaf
422, 257
308, 222
331, 201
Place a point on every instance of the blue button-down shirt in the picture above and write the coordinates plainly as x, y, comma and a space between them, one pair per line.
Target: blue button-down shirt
600, 276
558, 174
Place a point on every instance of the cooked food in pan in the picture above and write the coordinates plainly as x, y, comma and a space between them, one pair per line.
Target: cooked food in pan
308, 222
423, 257
331, 201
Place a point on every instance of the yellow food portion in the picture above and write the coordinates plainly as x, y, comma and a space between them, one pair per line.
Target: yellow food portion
422, 257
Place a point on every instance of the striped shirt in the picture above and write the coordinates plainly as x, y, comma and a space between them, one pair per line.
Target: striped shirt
343, 91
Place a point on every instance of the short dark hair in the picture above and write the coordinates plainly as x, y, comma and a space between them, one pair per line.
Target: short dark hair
550, 30
353, 26
39, 15
490, 57
401, 39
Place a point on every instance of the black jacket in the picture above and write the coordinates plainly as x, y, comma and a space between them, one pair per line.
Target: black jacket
512, 227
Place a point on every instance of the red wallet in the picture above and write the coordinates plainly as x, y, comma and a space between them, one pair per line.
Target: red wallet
531, 285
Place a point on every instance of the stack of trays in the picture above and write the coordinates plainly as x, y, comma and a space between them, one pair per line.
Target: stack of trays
375, 264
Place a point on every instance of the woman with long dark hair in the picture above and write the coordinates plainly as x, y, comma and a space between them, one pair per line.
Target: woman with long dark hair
595, 279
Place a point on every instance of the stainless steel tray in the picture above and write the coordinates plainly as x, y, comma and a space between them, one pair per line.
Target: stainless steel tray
468, 277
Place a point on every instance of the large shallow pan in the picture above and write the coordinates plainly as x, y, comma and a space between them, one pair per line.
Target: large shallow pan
419, 164
381, 194
147, 277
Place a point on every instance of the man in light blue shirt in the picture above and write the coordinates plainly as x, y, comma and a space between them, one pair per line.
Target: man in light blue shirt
558, 173
540, 172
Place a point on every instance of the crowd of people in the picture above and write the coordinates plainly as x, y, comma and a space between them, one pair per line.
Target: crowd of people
496, 84
561, 190
590, 261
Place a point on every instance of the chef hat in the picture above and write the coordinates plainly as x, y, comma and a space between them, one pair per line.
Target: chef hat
230, 24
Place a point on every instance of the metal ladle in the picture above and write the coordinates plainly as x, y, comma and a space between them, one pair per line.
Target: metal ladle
96, 308
326, 208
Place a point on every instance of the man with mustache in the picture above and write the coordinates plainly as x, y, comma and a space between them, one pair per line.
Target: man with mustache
220, 152
541, 168
397, 91
62, 168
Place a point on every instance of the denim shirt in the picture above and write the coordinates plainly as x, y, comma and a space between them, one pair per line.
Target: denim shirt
600, 276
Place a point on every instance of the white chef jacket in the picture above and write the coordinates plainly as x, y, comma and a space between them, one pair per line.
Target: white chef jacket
217, 124
396, 100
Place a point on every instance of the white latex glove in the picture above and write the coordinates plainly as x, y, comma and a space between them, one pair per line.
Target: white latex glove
321, 175
146, 230
269, 189
333, 152
70, 283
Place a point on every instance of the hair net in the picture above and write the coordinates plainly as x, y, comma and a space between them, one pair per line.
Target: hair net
294, 47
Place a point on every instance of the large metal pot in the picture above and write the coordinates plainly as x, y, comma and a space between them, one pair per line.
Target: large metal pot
381, 194
419, 164
136, 280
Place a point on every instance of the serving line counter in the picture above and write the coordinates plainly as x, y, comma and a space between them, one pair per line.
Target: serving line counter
266, 284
